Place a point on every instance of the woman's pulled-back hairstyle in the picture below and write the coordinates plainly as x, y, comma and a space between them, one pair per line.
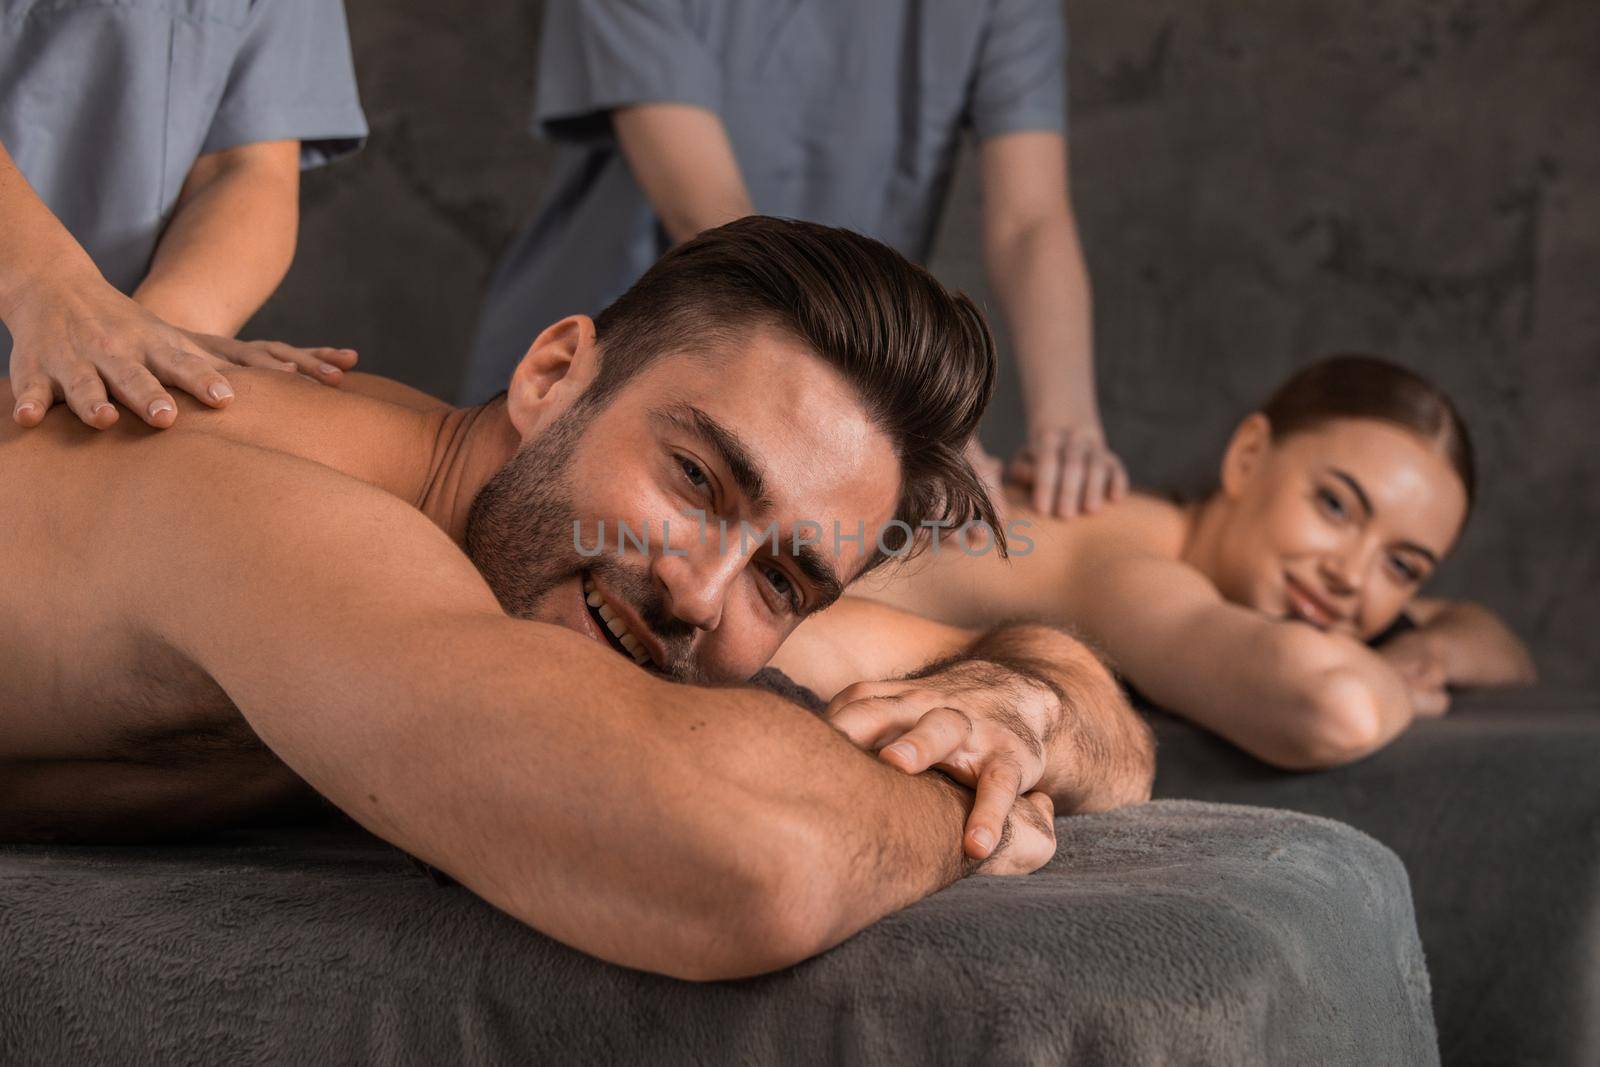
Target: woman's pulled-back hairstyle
920, 357
1367, 387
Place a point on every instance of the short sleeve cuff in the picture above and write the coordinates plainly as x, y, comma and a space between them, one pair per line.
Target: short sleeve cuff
570, 120
324, 134
1045, 120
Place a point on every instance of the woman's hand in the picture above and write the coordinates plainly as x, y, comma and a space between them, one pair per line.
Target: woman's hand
89, 344
982, 723
1419, 661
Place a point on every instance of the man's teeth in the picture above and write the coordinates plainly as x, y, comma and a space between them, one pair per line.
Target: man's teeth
614, 623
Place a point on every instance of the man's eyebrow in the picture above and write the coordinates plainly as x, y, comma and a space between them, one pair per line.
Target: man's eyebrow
729, 449
1355, 487
820, 573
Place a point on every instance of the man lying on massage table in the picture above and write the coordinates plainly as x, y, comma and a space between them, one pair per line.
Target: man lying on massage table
207, 623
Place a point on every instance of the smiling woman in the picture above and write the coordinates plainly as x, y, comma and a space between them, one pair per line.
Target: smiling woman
1282, 610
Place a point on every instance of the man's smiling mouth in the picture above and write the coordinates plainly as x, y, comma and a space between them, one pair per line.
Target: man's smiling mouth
611, 626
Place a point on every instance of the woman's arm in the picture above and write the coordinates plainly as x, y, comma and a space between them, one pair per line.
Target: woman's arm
1473, 645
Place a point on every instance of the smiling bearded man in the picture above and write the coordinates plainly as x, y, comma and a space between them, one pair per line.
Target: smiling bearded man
222, 620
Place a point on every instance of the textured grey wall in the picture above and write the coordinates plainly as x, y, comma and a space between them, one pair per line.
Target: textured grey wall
1257, 182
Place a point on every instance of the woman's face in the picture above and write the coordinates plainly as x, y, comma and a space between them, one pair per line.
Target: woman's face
1338, 525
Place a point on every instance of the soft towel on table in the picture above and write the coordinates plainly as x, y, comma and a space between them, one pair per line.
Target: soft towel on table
1174, 932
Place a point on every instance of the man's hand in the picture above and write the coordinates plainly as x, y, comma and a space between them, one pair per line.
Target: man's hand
1028, 840
984, 724
1420, 662
1068, 471
80, 344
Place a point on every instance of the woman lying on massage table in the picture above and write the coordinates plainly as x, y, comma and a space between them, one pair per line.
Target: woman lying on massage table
1280, 612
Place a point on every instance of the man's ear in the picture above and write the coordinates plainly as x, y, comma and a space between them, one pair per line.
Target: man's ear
1247, 450
557, 368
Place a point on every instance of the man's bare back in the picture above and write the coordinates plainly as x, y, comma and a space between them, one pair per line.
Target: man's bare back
109, 730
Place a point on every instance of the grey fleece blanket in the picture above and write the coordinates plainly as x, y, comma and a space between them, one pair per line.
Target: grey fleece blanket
1178, 932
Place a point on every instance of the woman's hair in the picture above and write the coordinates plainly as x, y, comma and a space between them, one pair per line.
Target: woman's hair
1367, 387
919, 356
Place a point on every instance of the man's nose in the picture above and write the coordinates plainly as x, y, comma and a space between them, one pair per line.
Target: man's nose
697, 583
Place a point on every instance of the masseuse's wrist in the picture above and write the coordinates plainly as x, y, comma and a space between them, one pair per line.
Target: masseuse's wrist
187, 309
64, 273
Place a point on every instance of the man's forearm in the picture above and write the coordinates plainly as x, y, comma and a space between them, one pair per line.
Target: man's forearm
1102, 756
230, 240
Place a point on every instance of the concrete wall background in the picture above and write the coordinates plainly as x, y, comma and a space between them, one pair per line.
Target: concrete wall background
1257, 182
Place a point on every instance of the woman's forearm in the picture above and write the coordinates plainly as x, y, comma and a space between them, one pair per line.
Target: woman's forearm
230, 240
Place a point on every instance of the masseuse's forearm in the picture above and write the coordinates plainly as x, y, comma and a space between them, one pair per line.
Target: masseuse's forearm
230, 240
1038, 274
1103, 755
682, 159
37, 254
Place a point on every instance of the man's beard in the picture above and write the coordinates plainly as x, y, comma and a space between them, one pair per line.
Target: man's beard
522, 535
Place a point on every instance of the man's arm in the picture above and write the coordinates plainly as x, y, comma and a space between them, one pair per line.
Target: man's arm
1095, 751
681, 157
1030, 243
700, 832
230, 240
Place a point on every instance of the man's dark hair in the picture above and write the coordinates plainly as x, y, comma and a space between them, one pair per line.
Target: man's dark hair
920, 357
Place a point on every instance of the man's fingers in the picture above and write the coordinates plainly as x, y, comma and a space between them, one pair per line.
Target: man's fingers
32, 395
871, 721
85, 394
933, 739
141, 394
998, 786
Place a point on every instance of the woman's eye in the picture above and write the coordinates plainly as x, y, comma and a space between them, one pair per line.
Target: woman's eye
1330, 503
1405, 570
691, 470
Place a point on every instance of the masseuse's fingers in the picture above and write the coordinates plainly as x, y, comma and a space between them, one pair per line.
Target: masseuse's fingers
1097, 480
85, 394
936, 737
30, 390
195, 372
999, 785
140, 393
1074, 457
1119, 480
325, 364
1046, 472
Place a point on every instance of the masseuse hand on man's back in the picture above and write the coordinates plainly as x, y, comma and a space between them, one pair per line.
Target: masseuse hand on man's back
87, 344
982, 723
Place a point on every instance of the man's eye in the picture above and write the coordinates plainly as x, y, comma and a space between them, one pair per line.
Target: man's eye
691, 470
1329, 502
783, 586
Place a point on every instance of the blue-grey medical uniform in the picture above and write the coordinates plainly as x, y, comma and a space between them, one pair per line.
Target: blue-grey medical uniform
106, 104
845, 112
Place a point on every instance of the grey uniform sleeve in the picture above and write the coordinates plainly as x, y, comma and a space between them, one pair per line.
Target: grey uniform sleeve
598, 55
1021, 78
292, 78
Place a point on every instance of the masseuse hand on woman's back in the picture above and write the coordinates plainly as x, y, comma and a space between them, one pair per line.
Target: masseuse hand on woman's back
87, 344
